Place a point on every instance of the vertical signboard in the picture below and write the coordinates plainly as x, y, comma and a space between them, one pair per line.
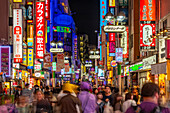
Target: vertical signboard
119, 55
109, 59
47, 60
111, 37
40, 25
47, 9
75, 48
29, 12
30, 38
147, 10
25, 56
5, 60
146, 41
103, 11
17, 1
125, 43
168, 48
98, 42
17, 34
30, 58
54, 66
60, 62
111, 3
162, 50
112, 46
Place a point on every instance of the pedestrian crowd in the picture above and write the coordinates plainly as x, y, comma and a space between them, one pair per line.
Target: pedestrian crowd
84, 98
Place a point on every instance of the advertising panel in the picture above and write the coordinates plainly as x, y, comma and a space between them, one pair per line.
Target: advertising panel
17, 1
60, 62
146, 40
136, 67
25, 56
98, 42
103, 11
17, 35
40, 25
5, 60
29, 12
111, 37
111, 3
126, 71
75, 48
112, 46
47, 9
168, 48
147, 10
54, 66
147, 62
125, 43
47, 60
30, 58
119, 55
30, 39
162, 50
62, 29
109, 59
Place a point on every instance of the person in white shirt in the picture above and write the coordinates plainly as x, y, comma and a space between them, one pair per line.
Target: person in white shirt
128, 102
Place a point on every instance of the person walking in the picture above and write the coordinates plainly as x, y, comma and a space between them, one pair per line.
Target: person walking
128, 102
150, 93
87, 99
100, 103
28, 93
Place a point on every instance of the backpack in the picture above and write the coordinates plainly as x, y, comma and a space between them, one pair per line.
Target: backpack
157, 109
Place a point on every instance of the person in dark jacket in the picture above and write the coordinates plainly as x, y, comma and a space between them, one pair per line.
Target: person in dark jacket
18, 92
42, 104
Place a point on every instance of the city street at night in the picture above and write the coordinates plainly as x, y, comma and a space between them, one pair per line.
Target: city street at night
85, 56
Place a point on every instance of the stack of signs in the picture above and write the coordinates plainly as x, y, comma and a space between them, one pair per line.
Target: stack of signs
60, 61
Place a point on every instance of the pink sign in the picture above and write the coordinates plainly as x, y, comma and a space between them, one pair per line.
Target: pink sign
168, 48
112, 47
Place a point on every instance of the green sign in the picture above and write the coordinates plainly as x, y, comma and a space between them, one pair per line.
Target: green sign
54, 66
136, 67
61, 29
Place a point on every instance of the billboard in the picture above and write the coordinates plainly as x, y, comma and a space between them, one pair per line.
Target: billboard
30, 58
17, 35
111, 36
112, 46
75, 48
47, 60
147, 10
103, 11
60, 62
40, 27
146, 40
119, 55
47, 9
5, 60
125, 43
29, 12
111, 3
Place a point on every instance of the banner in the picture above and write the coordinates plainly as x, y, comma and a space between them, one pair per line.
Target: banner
125, 43
47, 60
119, 55
40, 27
5, 60
17, 34
67, 67
168, 48
111, 3
103, 11
29, 12
30, 58
111, 37
146, 41
54, 66
112, 46
25, 56
147, 10
47, 9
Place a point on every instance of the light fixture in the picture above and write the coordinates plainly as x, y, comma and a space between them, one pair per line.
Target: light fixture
109, 16
53, 43
91, 52
60, 43
158, 34
161, 31
97, 52
121, 16
165, 30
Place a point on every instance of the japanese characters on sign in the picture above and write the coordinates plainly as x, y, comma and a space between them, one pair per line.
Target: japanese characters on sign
61, 29
146, 40
112, 46
147, 62
125, 43
75, 48
119, 55
147, 10
54, 66
40, 25
47, 9
168, 48
103, 11
30, 39
5, 60
17, 1
60, 61
25, 56
111, 36
29, 12
111, 3
47, 60
30, 58
17, 34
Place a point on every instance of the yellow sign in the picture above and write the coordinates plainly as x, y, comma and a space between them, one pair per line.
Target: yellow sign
31, 31
25, 56
17, 1
168, 70
109, 59
111, 3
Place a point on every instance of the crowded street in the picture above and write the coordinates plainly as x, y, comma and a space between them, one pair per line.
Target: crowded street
85, 56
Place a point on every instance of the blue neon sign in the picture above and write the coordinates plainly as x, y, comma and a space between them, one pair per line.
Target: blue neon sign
103, 11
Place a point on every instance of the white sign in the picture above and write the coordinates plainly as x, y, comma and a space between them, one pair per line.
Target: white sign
94, 56
162, 50
114, 29
17, 34
88, 65
147, 62
16, 65
56, 50
37, 74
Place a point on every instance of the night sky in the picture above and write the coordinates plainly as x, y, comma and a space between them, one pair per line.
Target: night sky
86, 17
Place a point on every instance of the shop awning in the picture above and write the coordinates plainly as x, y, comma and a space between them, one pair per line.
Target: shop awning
159, 68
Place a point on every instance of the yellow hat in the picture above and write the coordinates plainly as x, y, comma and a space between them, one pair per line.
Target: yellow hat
69, 87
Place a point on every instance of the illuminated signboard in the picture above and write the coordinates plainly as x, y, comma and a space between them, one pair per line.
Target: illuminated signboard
25, 56
75, 48
112, 48
98, 42
17, 34
136, 67
126, 71
111, 37
29, 12
40, 27
111, 3
47, 9
30, 39
109, 59
146, 41
17, 1
119, 55
168, 48
114, 29
30, 58
5, 60
103, 11
61, 29
125, 43
37, 67
147, 10
54, 64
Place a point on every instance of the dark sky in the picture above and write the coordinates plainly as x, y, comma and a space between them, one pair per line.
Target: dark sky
86, 17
